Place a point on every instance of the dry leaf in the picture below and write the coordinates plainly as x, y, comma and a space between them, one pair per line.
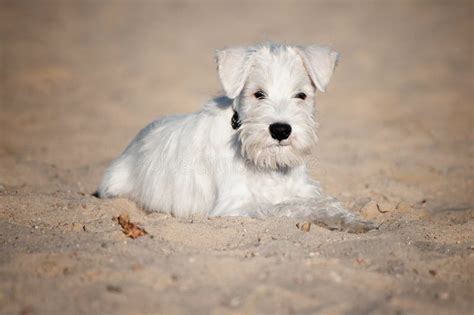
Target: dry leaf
128, 228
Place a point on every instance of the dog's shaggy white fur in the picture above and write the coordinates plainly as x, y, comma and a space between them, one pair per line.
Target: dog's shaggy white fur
244, 153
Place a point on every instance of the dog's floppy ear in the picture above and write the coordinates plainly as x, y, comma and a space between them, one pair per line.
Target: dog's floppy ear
320, 63
233, 65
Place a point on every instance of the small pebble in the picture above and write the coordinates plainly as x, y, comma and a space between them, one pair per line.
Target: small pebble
370, 210
336, 277
403, 206
77, 227
114, 289
385, 207
235, 302
442, 295
305, 227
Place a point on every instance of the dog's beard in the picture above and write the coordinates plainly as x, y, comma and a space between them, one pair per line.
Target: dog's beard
258, 147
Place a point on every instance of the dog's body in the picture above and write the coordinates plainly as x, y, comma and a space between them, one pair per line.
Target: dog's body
165, 168
242, 154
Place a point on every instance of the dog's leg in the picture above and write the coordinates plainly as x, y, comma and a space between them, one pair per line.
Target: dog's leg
325, 211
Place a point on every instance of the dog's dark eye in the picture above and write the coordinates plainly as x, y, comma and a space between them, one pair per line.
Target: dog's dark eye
259, 95
301, 95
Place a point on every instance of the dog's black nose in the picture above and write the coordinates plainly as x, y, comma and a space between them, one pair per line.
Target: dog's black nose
280, 131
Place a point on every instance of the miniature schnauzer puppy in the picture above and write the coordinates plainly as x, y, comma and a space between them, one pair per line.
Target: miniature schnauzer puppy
244, 153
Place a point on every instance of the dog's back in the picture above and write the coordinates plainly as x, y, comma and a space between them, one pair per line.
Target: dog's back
165, 168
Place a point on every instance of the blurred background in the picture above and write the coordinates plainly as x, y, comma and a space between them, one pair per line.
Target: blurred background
78, 79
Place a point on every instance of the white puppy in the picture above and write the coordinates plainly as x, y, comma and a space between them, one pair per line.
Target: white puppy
244, 153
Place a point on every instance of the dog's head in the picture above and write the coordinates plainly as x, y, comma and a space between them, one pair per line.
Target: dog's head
273, 89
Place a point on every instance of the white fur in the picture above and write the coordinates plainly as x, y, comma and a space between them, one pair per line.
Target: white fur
198, 163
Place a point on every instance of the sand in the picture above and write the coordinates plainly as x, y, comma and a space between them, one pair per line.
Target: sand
79, 79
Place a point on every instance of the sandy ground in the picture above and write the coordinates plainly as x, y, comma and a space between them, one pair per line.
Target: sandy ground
79, 79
